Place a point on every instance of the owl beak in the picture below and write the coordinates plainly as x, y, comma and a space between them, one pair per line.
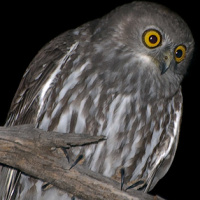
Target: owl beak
166, 62
163, 68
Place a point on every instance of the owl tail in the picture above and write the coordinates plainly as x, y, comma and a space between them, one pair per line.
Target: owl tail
9, 179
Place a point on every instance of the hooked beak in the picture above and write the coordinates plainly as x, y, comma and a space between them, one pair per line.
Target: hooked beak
166, 62
163, 68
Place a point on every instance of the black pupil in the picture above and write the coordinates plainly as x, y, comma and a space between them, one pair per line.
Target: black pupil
153, 39
179, 53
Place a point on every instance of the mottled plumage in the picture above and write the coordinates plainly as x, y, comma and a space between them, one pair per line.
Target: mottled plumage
117, 76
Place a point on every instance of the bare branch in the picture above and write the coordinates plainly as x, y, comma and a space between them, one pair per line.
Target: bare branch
31, 150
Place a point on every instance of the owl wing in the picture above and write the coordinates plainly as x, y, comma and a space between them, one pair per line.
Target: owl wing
167, 146
36, 84
41, 73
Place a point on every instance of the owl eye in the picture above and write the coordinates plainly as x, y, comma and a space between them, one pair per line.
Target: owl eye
180, 52
152, 38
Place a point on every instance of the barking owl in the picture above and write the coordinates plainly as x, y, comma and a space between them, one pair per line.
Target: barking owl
118, 76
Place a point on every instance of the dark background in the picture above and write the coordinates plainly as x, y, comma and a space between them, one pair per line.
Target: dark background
27, 26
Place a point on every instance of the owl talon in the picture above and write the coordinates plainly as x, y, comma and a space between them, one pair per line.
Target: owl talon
122, 172
143, 187
66, 154
139, 185
46, 186
80, 157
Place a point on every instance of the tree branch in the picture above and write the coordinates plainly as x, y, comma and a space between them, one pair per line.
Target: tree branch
31, 150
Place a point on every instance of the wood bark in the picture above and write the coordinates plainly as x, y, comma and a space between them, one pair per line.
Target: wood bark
36, 153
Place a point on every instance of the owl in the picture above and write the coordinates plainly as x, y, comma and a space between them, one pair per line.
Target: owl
118, 76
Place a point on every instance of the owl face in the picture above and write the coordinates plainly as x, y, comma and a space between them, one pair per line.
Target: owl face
158, 38
168, 55
166, 52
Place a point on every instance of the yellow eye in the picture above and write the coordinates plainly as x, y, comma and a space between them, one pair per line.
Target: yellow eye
152, 38
180, 53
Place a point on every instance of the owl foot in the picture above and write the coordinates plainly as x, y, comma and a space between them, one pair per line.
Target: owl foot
138, 185
46, 186
80, 157
66, 154
122, 172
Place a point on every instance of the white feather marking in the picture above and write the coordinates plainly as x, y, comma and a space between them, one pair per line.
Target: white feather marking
68, 118
71, 80
89, 151
76, 32
76, 60
47, 86
81, 123
45, 122
109, 168
48, 83
144, 58
72, 98
39, 188
148, 112
96, 100
55, 110
90, 80
38, 76
26, 72
101, 124
95, 157
63, 123
116, 125
175, 130
24, 181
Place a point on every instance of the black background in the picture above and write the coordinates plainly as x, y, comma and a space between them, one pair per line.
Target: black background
26, 27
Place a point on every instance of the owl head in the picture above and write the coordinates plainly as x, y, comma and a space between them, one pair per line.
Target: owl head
158, 42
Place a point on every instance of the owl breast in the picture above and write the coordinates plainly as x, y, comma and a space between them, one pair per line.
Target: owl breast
135, 132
